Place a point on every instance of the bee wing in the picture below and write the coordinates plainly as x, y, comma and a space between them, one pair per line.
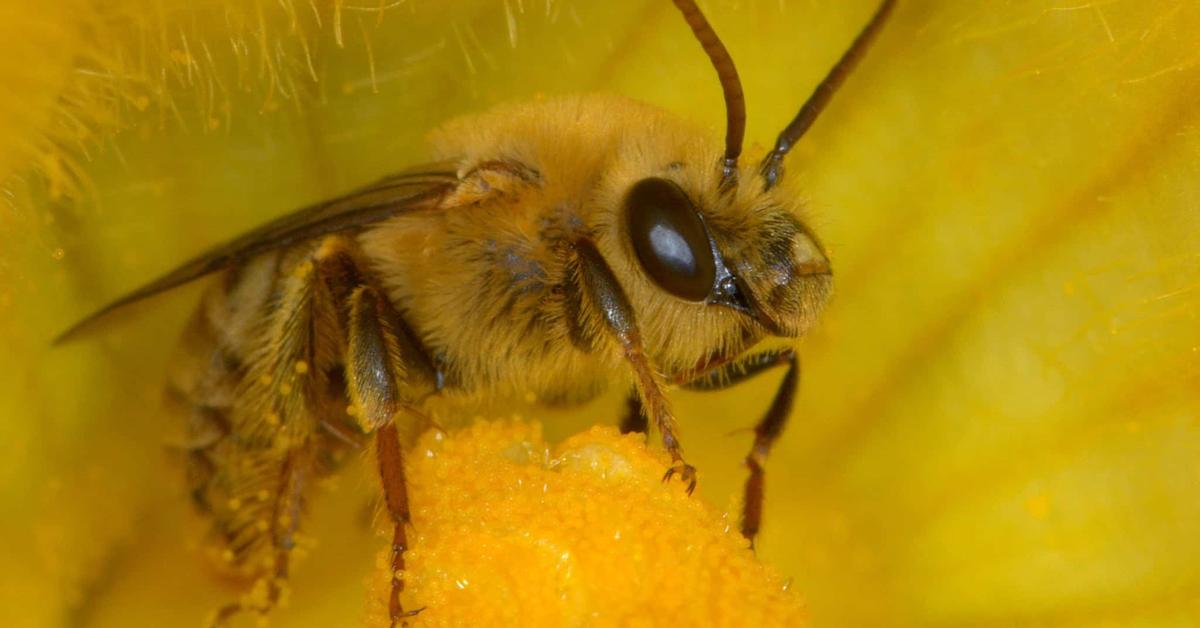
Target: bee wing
420, 188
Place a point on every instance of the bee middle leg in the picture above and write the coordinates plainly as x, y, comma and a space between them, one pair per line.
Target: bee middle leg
385, 368
768, 429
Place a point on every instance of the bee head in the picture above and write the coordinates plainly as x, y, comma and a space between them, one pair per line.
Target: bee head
745, 252
752, 254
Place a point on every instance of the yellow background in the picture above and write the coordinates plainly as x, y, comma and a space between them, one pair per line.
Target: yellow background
998, 423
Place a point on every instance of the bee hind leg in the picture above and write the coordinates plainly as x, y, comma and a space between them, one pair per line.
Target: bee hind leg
267, 456
768, 429
285, 507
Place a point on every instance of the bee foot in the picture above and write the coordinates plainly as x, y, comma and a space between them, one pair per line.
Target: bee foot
400, 619
685, 471
226, 613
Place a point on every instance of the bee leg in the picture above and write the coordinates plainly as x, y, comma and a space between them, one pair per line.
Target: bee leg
635, 418
395, 496
285, 517
608, 300
768, 429
382, 355
272, 445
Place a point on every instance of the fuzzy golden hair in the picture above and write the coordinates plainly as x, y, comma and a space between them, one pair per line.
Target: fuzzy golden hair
509, 247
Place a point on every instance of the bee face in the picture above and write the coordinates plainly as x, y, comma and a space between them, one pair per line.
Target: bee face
759, 259
749, 253
785, 270
709, 270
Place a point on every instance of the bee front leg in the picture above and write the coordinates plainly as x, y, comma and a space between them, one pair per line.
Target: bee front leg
385, 368
608, 300
768, 429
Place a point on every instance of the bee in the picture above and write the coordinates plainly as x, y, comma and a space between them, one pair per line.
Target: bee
559, 248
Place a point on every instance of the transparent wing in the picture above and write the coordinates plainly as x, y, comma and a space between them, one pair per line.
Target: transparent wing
420, 188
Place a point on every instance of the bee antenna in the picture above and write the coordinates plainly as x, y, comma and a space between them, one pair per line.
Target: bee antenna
731, 85
772, 165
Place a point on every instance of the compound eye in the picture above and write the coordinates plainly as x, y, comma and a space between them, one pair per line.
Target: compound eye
669, 239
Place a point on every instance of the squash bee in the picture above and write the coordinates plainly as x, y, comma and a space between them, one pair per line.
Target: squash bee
558, 248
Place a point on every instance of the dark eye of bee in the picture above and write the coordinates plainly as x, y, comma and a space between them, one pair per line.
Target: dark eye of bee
669, 239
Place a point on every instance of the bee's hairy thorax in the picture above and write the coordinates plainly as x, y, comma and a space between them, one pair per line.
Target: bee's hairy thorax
491, 292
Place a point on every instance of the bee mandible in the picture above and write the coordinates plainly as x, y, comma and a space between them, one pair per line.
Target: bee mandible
555, 248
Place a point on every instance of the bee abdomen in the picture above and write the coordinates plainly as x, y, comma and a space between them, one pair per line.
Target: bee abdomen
210, 365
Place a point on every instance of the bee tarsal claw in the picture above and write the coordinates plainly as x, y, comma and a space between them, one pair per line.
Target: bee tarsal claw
400, 619
686, 472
